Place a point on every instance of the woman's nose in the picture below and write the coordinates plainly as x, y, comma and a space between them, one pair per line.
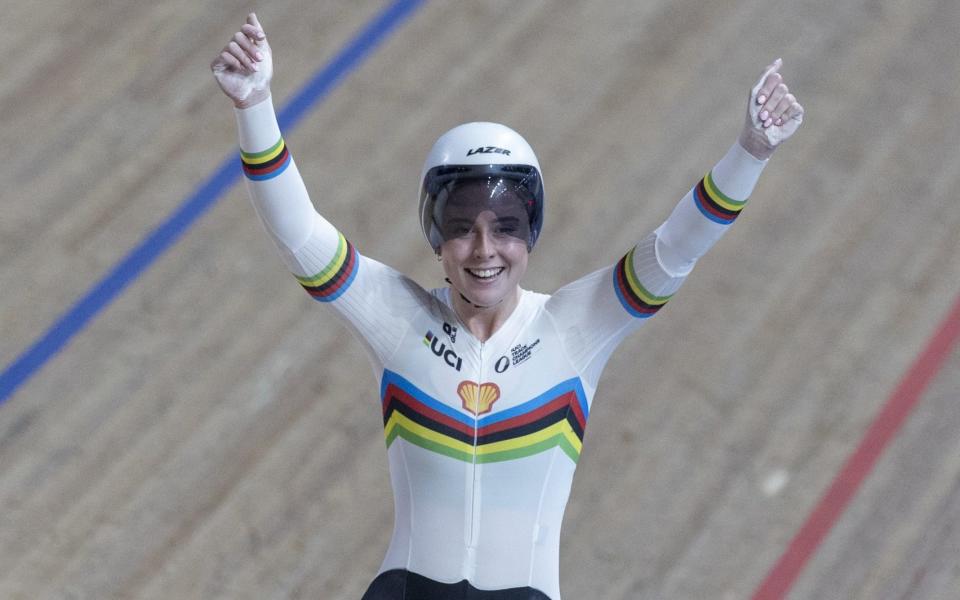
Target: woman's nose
483, 244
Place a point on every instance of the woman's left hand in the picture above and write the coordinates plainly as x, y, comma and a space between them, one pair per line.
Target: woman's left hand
773, 114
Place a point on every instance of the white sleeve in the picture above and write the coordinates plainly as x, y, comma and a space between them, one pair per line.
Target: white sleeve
595, 313
273, 181
707, 211
376, 301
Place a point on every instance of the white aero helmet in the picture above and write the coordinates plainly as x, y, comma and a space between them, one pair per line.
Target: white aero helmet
489, 166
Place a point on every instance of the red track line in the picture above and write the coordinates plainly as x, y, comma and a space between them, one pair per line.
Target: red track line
885, 426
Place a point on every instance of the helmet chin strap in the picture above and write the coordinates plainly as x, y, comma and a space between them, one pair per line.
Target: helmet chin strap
462, 296
468, 300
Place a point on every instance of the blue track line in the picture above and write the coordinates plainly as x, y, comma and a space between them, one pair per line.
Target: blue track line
138, 260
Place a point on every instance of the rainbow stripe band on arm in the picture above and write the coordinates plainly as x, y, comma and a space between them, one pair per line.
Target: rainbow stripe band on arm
267, 164
632, 295
336, 277
714, 204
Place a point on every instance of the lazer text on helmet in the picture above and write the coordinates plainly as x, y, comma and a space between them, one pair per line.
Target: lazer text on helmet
488, 150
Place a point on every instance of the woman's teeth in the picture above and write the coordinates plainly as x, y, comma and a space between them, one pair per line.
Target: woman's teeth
485, 273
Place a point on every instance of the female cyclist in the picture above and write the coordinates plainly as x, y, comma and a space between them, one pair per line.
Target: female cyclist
485, 387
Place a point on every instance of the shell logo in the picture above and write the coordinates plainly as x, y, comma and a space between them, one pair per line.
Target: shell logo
478, 399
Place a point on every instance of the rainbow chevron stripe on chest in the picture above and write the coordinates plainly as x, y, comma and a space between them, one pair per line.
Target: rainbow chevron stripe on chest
553, 419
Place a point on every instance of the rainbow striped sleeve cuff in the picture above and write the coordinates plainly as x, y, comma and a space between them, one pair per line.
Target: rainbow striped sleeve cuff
260, 166
713, 204
336, 277
630, 292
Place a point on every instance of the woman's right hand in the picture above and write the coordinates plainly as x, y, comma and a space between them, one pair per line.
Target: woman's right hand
245, 66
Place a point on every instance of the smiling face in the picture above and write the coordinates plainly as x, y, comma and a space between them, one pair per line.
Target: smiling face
486, 229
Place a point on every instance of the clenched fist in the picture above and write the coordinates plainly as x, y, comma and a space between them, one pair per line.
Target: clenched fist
773, 114
245, 65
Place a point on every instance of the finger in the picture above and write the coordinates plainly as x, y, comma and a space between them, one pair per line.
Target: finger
763, 87
252, 32
771, 68
234, 49
228, 62
775, 96
769, 87
781, 108
794, 112
253, 20
244, 42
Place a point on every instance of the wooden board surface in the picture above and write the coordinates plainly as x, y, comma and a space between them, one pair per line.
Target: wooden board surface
206, 435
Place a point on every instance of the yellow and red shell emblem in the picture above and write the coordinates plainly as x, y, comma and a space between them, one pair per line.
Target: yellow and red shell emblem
478, 399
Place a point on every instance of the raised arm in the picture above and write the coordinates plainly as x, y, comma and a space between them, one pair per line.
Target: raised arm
244, 69
599, 310
706, 212
317, 254
374, 299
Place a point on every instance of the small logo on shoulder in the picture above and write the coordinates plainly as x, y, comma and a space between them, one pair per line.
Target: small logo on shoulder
488, 150
451, 331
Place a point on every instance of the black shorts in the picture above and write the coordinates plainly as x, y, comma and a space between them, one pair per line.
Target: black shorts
400, 584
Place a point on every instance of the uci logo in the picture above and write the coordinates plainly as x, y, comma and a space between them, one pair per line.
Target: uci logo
488, 150
440, 349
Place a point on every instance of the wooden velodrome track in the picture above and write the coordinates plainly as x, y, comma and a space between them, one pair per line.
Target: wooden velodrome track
214, 433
